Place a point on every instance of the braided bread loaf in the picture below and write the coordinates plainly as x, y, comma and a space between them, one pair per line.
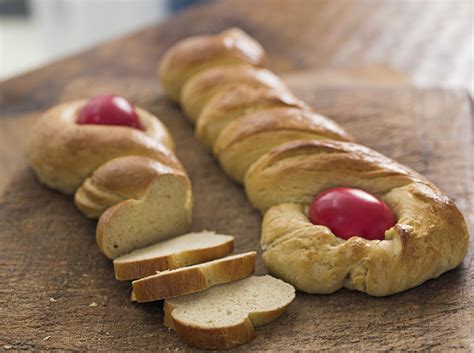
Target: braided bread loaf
285, 154
128, 178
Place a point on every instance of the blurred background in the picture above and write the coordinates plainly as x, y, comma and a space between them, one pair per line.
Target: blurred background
441, 33
35, 32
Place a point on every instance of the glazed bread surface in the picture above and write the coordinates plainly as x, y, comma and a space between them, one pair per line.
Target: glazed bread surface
429, 238
285, 154
200, 88
247, 138
235, 101
192, 55
64, 153
116, 180
128, 178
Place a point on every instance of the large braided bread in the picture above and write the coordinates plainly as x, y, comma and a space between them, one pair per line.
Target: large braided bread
128, 178
285, 154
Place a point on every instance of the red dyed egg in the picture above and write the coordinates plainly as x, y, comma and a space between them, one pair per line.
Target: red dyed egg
109, 110
352, 212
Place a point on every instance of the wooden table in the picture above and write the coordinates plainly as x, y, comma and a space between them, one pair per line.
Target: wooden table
424, 39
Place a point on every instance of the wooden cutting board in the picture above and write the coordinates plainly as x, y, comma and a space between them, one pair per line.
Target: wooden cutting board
58, 292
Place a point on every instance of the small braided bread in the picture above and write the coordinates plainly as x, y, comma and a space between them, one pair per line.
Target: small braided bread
285, 154
130, 179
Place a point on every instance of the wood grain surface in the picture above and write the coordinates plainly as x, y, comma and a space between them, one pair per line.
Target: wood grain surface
49, 248
58, 292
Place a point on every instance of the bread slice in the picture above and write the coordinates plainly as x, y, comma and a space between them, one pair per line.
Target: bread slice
225, 316
163, 211
186, 280
185, 250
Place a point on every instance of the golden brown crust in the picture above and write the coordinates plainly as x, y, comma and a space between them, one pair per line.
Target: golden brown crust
92, 201
64, 153
130, 175
278, 119
411, 253
225, 320
282, 178
246, 139
307, 167
429, 238
141, 268
200, 88
170, 284
212, 338
119, 179
137, 212
235, 101
123, 171
102, 231
127, 272
191, 55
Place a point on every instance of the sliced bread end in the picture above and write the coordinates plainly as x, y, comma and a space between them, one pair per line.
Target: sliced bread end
164, 212
225, 316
